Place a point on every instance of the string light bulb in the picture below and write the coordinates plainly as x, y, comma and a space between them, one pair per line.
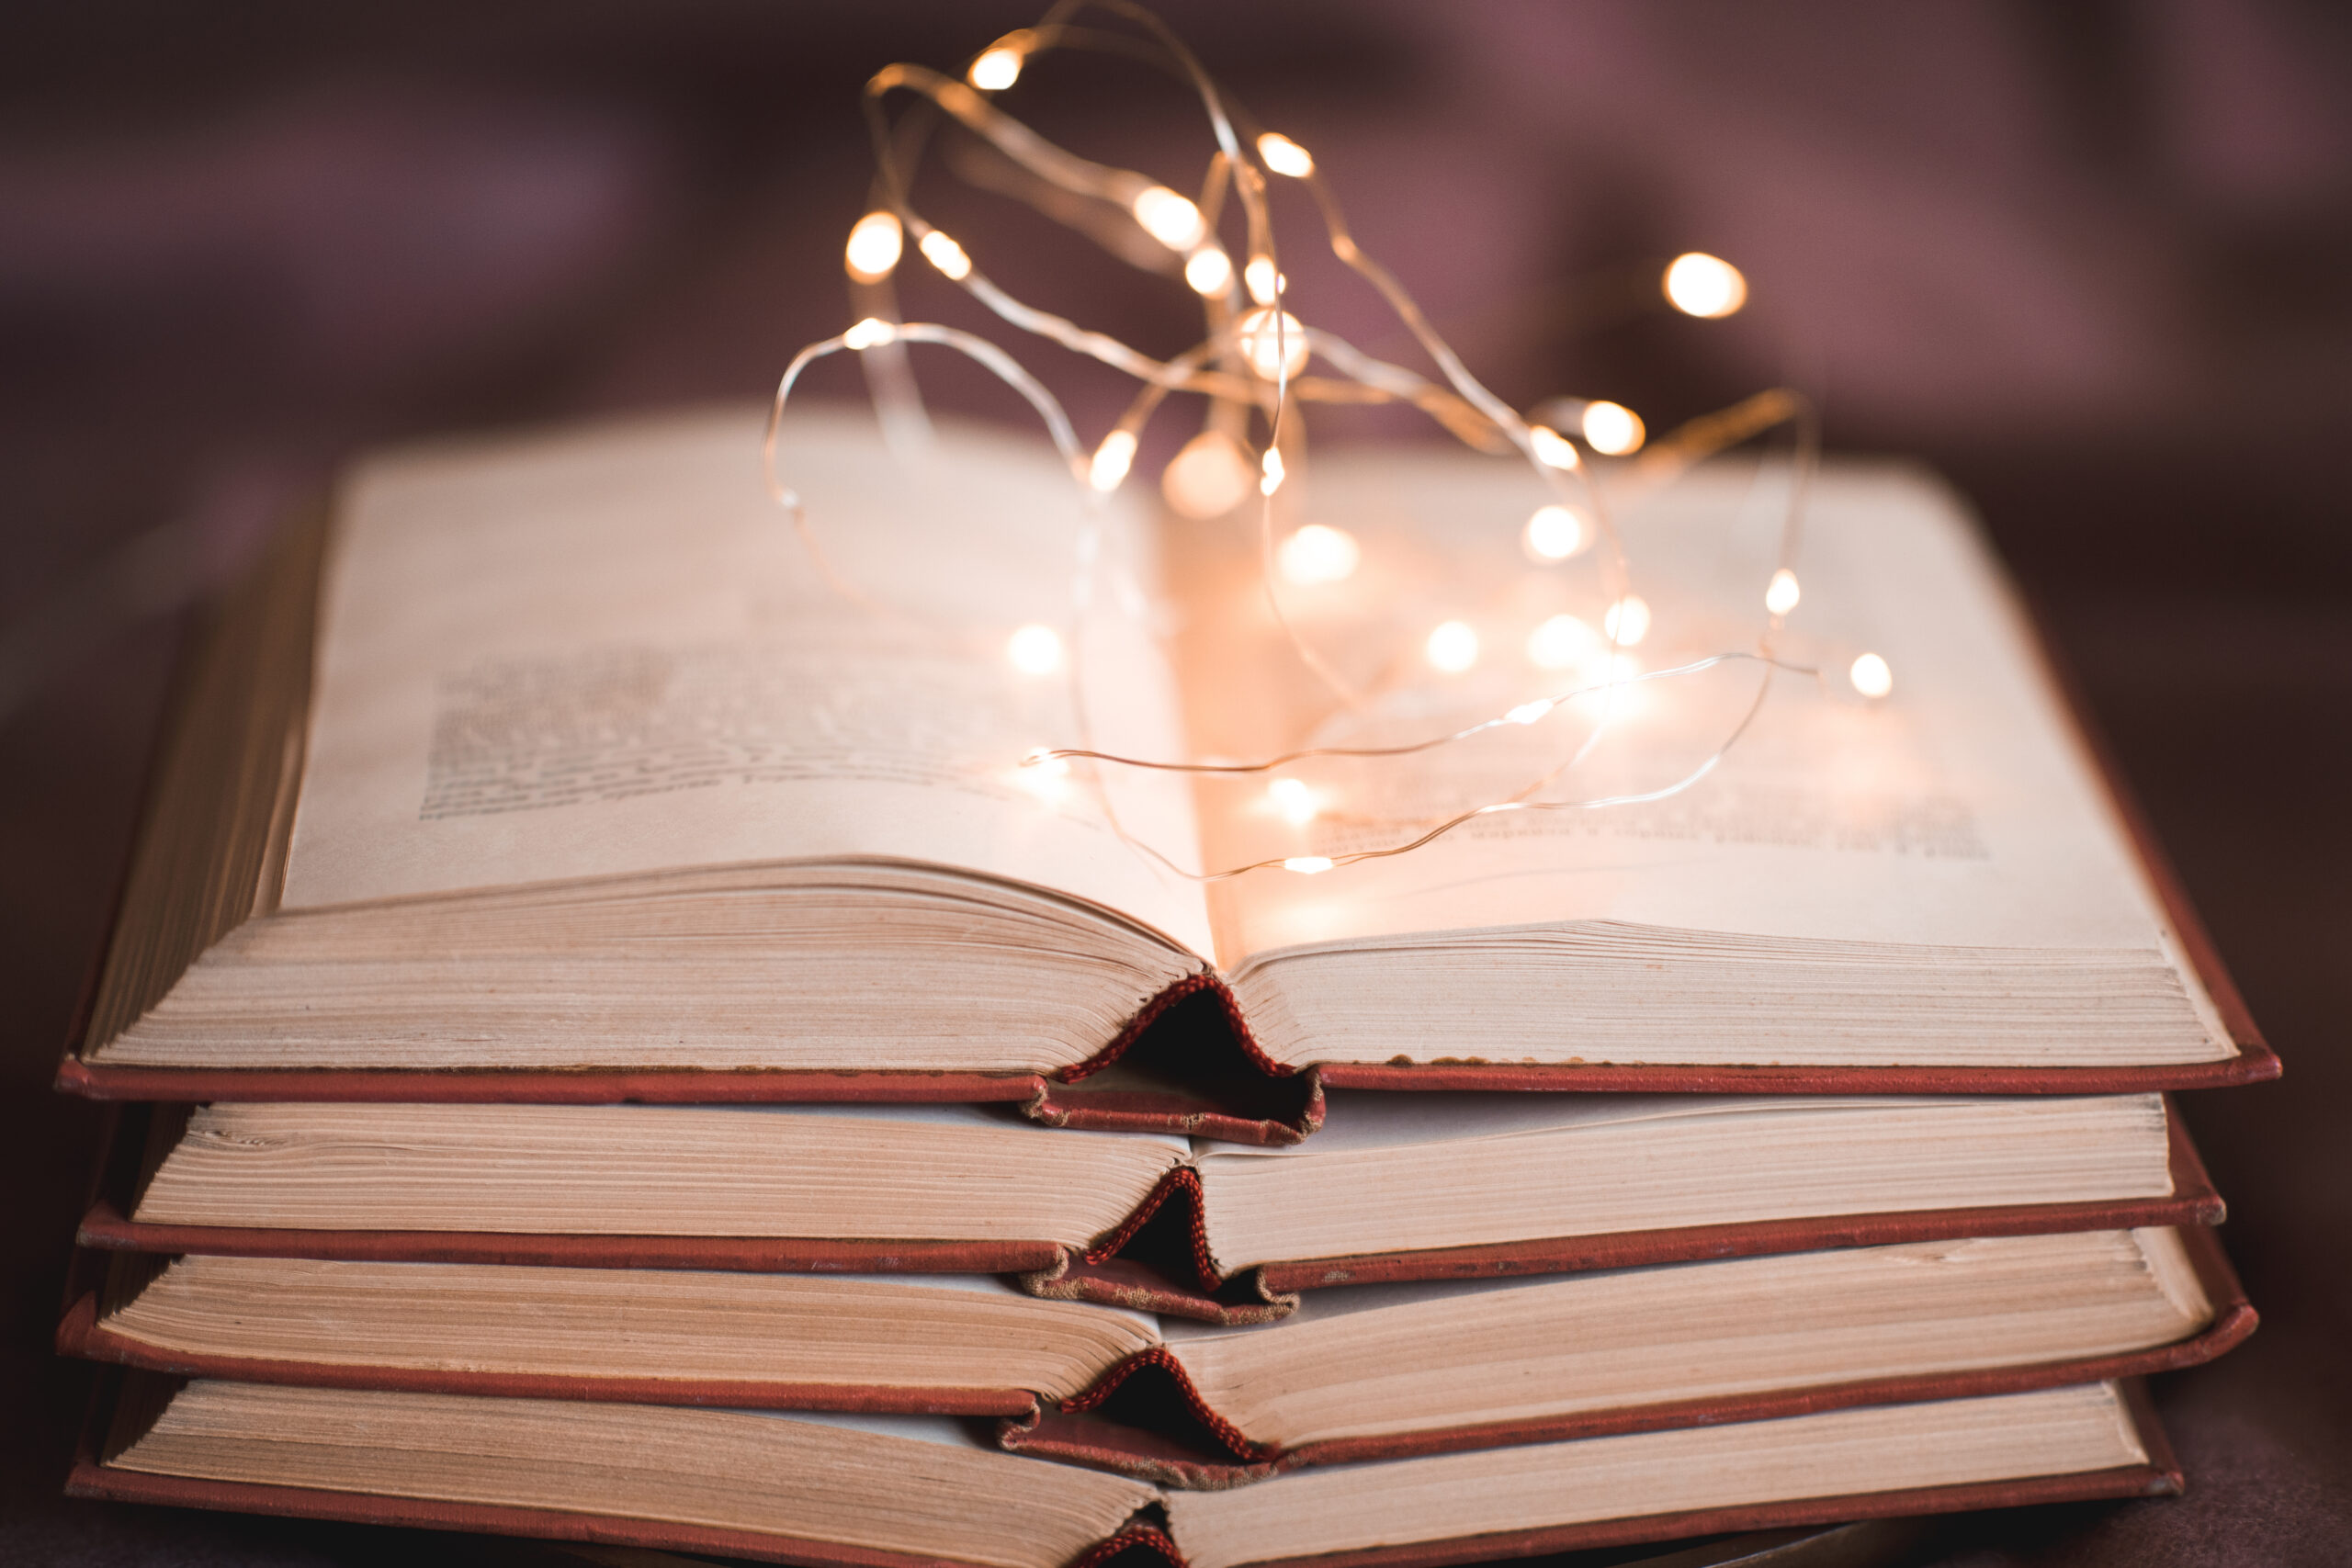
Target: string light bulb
998, 66
1034, 650
1045, 776
1613, 429
1308, 866
995, 70
1282, 155
1554, 534
1294, 800
1263, 281
874, 244
1317, 554
1553, 449
1167, 218
1627, 621
1708, 286
1273, 341
1453, 646
1871, 676
1697, 283
1781, 595
1111, 460
1209, 478
946, 255
1209, 271
1563, 642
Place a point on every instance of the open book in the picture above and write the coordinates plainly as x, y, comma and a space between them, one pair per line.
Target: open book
1379, 1371
863, 1492
1394, 1188
556, 768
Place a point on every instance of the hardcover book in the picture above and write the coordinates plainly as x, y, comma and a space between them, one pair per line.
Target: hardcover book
552, 767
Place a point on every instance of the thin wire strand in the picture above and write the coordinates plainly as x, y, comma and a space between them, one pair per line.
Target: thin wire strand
1411, 748
1463, 406
979, 349
1517, 801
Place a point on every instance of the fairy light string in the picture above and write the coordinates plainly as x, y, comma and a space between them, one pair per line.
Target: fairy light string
1252, 360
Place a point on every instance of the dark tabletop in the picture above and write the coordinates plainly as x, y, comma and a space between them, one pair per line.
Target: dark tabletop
2088, 260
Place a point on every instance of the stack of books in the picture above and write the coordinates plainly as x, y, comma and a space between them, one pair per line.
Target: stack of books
613, 1043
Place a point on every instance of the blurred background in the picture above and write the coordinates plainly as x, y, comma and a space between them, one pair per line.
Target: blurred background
2093, 261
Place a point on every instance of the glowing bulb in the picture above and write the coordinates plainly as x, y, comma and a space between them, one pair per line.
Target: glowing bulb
1871, 676
1781, 595
946, 255
995, 70
1270, 472
1284, 156
1035, 650
1317, 554
1209, 271
1453, 646
1627, 622
1528, 713
1293, 800
1563, 642
1044, 776
1553, 449
871, 253
1168, 217
871, 332
1111, 460
1209, 478
1308, 866
1271, 352
1553, 533
1701, 285
1613, 429
1263, 281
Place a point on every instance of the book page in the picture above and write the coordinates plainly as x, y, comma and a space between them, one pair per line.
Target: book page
604, 651
1957, 811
